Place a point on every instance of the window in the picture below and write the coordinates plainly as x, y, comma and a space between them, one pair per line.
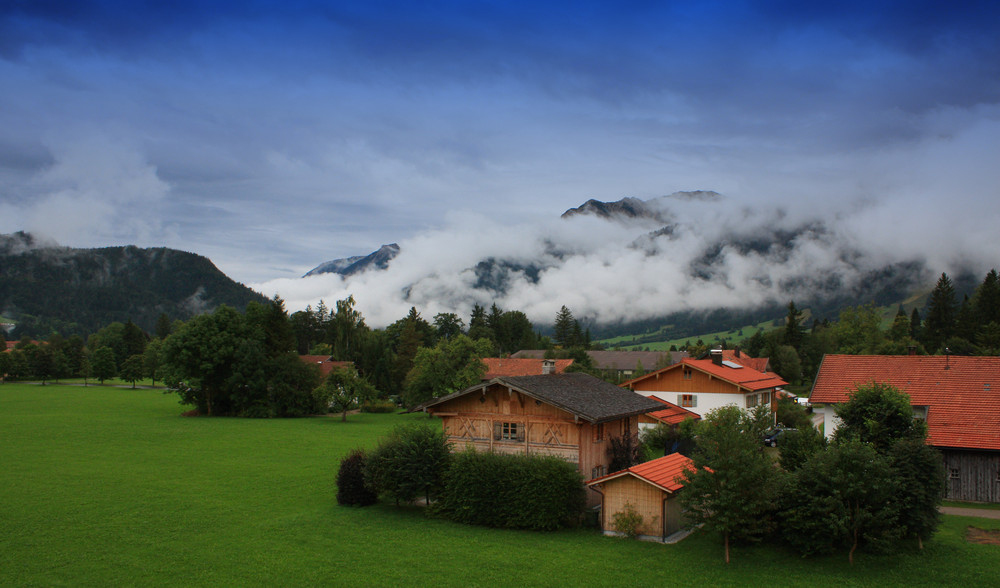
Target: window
687, 373
687, 400
599, 432
953, 473
598, 471
765, 398
508, 431
752, 400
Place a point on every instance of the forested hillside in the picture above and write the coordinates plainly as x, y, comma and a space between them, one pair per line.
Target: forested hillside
46, 287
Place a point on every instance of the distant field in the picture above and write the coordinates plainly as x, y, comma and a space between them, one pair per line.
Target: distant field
109, 486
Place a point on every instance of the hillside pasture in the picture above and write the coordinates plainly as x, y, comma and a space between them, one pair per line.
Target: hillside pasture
111, 486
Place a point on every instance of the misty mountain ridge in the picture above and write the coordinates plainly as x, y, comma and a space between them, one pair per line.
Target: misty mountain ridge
349, 266
638, 262
47, 287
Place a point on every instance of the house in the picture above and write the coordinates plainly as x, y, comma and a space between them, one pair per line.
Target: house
325, 363
701, 385
669, 414
572, 416
498, 367
621, 364
651, 489
958, 396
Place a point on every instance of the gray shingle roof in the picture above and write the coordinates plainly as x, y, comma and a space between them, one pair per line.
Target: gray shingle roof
583, 395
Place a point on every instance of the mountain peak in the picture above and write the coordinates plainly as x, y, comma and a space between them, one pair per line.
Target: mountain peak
357, 264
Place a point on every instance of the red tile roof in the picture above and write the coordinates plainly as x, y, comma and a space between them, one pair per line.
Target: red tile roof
499, 367
962, 393
758, 363
672, 414
744, 377
662, 472
326, 365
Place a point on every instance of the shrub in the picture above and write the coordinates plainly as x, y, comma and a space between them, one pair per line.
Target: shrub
534, 492
386, 406
409, 463
351, 489
627, 521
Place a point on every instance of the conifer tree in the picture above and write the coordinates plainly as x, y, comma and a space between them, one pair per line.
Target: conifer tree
942, 310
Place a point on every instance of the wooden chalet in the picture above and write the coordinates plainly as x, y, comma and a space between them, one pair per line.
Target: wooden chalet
958, 396
700, 385
571, 416
651, 489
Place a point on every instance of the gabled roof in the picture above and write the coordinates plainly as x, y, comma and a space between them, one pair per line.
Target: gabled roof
582, 395
662, 472
962, 393
758, 363
744, 377
497, 367
671, 414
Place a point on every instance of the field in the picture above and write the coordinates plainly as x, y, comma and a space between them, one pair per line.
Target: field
110, 486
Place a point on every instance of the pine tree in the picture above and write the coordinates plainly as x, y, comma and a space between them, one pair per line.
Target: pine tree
793, 326
942, 310
564, 327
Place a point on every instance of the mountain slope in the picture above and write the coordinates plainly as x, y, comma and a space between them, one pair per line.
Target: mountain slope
45, 286
349, 266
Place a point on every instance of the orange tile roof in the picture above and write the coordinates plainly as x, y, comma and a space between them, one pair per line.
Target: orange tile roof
744, 377
326, 365
962, 393
672, 414
662, 472
757, 363
500, 367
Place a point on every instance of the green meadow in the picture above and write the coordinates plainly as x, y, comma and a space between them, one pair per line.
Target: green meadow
111, 486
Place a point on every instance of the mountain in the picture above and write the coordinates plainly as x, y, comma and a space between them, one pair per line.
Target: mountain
379, 260
46, 287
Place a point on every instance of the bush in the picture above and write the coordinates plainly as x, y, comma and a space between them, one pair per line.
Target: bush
409, 463
351, 489
541, 493
386, 406
627, 521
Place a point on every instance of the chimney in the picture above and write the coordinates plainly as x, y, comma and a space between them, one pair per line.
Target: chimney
912, 349
548, 366
716, 356
736, 351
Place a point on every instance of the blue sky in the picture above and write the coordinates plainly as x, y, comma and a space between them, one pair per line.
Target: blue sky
274, 136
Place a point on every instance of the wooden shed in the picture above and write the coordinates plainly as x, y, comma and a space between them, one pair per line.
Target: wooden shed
651, 489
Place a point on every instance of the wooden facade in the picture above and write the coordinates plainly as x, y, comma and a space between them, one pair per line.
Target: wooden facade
972, 475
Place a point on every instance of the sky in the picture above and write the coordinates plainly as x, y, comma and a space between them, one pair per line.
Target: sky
271, 137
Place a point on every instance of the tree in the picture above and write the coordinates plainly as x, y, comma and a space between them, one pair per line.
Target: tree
918, 471
987, 299
448, 367
408, 463
842, 497
448, 325
565, 327
163, 326
151, 359
942, 310
133, 340
351, 489
732, 485
785, 361
43, 362
344, 390
4, 366
793, 326
133, 369
478, 328
859, 330
102, 363
879, 414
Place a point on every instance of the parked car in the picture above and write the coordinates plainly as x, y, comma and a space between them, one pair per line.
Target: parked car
771, 438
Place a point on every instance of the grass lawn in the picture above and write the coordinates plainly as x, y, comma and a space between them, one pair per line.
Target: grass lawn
110, 486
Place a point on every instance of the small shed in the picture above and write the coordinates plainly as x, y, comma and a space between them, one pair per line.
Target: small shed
651, 489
